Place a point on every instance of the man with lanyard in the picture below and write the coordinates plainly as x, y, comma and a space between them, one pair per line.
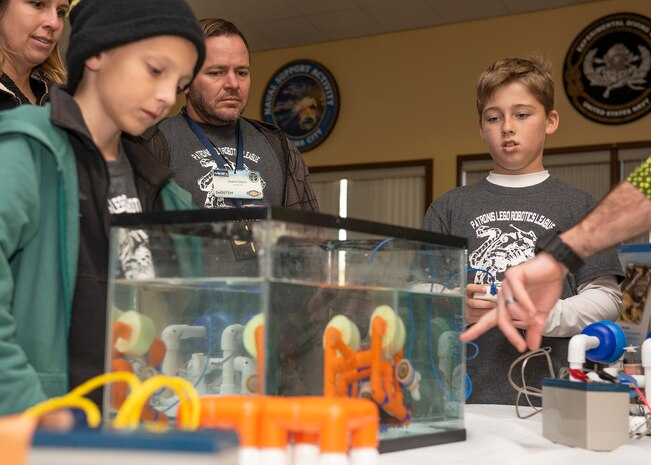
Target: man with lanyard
221, 158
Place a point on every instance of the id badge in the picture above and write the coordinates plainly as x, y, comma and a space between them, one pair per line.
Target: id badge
242, 184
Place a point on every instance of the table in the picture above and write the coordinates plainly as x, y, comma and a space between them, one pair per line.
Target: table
496, 436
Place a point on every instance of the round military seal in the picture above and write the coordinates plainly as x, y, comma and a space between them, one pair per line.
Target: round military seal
302, 99
608, 68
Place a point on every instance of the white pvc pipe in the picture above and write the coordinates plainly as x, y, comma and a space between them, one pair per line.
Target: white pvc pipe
364, 456
646, 365
229, 345
333, 459
273, 456
305, 454
195, 371
171, 337
248, 368
249, 456
577, 348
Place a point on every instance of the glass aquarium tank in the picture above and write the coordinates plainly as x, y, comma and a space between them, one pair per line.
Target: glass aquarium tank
281, 302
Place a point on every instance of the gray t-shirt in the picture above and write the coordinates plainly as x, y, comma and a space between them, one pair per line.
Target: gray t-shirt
193, 165
502, 225
134, 254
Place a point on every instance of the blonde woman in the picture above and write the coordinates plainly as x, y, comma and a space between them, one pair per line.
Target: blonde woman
29, 54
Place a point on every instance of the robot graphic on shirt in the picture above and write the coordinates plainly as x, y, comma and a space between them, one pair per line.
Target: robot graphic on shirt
134, 255
205, 182
501, 250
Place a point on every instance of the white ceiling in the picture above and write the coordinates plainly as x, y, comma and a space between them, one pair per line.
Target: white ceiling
270, 24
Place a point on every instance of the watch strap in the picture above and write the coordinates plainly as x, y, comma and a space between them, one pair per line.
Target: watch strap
553, 245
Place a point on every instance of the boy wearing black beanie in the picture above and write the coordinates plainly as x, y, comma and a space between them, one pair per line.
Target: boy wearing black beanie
64, 168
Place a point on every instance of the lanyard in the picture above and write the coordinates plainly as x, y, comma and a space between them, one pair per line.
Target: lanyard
239, 160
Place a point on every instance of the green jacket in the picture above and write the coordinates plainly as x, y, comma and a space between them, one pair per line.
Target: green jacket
39, 237
39, 241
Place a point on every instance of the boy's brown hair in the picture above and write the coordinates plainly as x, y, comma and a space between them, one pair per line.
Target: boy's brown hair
535, 72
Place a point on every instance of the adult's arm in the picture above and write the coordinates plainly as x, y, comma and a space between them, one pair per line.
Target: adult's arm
536, 285
624, 213
597, 300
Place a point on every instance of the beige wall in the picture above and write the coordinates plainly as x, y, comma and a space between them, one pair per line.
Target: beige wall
410, 95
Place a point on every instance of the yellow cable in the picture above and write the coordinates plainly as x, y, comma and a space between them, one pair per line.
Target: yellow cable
57, 403
75, 399
129, 414
115, 377
189, 405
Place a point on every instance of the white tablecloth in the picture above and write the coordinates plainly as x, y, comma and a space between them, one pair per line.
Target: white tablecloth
496, 436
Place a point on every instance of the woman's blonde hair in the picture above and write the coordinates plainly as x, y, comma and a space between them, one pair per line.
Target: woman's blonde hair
51, 70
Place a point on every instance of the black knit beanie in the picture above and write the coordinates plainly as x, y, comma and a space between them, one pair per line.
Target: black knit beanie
99, 25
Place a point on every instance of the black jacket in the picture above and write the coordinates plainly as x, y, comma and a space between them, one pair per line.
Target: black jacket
298, 190
11, 96
86, 346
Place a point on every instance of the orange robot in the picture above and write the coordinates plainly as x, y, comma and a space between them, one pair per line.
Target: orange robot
378, 372
133, 335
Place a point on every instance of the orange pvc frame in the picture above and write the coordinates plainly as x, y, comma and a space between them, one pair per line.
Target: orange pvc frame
272, 422
342, 373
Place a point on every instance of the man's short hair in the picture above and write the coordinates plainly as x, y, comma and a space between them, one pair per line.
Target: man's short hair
217, 27
534, 72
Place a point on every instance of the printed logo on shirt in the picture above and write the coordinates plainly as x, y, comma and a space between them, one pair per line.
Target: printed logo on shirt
124, 204
504, 245
205, 182
518, 215
133, 245
134, 254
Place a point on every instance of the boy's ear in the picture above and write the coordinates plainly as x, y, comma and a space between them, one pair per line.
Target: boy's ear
481, 132
94, 63
552, 122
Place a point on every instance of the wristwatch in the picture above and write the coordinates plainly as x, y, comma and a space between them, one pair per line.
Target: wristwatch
551, 243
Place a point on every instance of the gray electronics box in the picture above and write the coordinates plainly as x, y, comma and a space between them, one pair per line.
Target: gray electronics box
589, 415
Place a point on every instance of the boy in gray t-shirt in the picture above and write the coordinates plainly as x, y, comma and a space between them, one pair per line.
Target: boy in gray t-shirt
503, 215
